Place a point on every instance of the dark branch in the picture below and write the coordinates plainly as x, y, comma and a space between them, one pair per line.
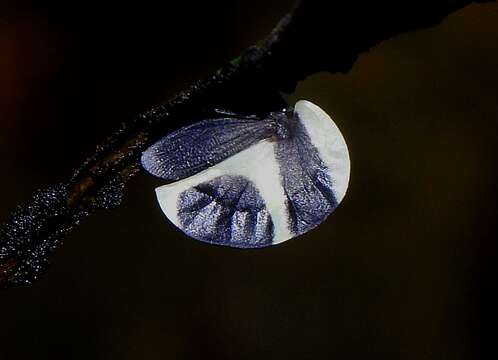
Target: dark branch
310, 39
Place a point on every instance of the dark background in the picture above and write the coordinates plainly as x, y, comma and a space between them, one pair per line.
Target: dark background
405, 268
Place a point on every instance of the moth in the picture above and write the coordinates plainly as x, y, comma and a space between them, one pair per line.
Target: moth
247, 182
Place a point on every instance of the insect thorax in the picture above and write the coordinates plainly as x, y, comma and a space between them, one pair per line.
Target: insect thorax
285, 123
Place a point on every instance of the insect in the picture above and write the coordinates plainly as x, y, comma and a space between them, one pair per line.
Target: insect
247, 182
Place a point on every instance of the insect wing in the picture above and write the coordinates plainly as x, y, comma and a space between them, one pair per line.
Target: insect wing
314, 168
194, 148
238, 202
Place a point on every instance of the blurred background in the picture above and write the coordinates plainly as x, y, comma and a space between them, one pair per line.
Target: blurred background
405, 268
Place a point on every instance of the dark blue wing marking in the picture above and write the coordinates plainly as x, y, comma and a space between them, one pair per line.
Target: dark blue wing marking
196, 147
305, 179
227, 210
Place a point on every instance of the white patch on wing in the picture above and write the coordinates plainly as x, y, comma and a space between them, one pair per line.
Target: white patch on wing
259, 165
328, 140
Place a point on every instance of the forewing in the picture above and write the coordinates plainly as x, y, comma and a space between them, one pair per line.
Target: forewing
196, 147
314, 167
238, 202
226, 210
